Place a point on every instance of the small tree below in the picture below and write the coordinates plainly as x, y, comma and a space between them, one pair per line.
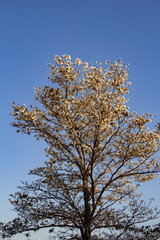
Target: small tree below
98, 152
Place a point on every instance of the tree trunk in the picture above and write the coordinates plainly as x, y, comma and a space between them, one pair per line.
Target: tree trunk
87, 212
85, 234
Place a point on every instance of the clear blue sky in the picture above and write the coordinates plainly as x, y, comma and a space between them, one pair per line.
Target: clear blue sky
33, 31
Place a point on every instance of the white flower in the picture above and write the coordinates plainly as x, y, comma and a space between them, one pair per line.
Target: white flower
78, 61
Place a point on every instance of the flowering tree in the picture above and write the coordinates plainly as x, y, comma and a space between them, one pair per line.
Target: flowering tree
98, 152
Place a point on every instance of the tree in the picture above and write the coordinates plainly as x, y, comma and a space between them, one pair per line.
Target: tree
98, 152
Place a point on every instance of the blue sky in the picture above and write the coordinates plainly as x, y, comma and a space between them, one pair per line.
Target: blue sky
33, 31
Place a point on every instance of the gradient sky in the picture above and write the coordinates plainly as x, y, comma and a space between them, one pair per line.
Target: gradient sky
33, 31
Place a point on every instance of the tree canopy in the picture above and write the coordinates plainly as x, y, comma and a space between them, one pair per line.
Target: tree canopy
98, 155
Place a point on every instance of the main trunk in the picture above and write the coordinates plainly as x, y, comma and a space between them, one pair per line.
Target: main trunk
86, 236
86, 232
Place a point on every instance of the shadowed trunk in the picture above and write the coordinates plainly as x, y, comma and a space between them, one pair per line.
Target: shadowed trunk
86, 233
